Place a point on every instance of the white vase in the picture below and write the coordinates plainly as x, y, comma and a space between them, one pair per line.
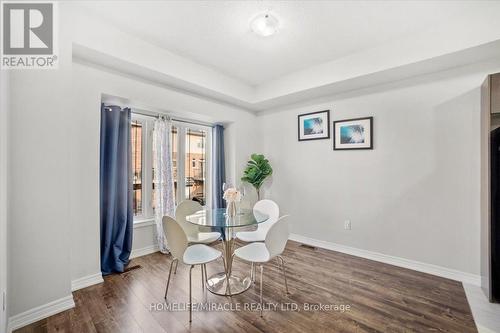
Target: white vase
231, 209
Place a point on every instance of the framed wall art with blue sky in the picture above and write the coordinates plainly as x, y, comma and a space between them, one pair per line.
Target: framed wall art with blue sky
314, 125
353, 134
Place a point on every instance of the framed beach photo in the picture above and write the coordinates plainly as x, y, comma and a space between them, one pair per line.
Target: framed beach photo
314, 125
353, 134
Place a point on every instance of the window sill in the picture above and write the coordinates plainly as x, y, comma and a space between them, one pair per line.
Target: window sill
143, 222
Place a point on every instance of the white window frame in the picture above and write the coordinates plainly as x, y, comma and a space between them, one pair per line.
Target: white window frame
181, 152
147, 216
147, 168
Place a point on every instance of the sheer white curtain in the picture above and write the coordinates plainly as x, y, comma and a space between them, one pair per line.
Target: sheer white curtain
163, 177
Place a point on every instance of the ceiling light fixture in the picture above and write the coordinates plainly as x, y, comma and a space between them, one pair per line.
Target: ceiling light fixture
265, 25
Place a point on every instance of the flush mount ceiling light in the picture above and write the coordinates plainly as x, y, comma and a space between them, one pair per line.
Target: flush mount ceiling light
265, 25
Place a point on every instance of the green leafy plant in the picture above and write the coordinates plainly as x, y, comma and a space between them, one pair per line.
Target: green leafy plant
257, 170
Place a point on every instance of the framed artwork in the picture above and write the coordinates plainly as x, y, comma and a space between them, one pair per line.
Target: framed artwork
353, 134
314, 125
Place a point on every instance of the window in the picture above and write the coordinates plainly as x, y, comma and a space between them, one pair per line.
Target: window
196, 172
189, 156
136, 140
141, 166
175, 149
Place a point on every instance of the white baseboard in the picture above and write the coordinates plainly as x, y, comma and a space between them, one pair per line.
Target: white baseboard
40, 312
144, 251
86, 281
65, 303
396, 261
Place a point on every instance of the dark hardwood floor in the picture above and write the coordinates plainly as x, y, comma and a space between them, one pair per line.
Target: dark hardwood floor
382, 298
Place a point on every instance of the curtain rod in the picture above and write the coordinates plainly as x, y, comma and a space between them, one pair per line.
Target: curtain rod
158, 114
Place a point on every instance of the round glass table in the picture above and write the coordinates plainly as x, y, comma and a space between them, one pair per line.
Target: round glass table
225, 283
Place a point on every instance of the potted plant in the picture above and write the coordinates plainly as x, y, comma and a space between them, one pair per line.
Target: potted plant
257, 170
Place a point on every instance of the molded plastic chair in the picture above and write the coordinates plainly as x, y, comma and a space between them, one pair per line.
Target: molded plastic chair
261, 253
193, 255
268, 207
192, 231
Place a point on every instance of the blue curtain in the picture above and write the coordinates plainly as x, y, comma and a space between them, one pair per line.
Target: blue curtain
115, 189
219, 166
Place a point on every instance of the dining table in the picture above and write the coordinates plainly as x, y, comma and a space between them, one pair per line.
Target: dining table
226, 283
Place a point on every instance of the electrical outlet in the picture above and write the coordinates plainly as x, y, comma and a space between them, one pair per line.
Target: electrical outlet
347, 224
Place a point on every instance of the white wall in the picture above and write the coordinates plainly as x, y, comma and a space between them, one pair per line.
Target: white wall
39, 191
144, 238
415, 196
89, 83
54, 162
4, 107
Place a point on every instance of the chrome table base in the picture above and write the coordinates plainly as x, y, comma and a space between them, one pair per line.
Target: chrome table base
225, 283
217, 284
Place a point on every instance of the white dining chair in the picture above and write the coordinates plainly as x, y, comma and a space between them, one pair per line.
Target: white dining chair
188, 207
269, 208
273, 246
197, 254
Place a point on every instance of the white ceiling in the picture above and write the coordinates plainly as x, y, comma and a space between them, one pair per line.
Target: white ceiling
217, 34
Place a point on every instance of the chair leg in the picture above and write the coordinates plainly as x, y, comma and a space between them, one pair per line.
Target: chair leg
190, 294
252, 272
261, 271
202, 277
205, 269
169, 273
284, 272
